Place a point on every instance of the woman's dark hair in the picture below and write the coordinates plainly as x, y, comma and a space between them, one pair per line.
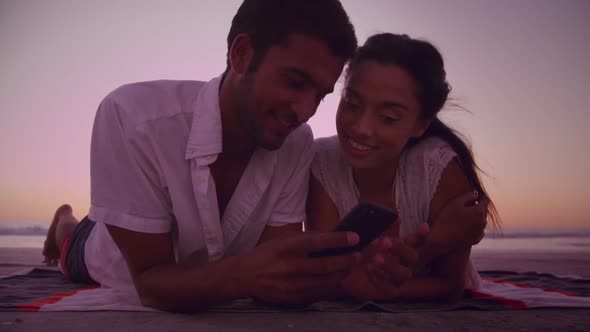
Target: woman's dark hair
271, 22
425, 64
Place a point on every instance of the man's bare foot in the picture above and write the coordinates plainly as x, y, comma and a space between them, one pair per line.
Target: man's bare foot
65, 224
51, 247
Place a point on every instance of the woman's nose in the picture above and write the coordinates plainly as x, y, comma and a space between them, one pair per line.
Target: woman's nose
362, 125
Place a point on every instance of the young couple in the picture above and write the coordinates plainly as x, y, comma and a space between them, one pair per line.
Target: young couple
199, 189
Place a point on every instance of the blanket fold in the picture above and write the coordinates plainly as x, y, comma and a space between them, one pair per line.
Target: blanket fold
47, 290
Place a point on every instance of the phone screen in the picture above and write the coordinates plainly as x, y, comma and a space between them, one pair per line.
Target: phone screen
368, 220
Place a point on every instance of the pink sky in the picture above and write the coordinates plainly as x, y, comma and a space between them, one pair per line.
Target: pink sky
520, 67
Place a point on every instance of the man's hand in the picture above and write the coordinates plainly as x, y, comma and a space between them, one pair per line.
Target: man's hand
280, 271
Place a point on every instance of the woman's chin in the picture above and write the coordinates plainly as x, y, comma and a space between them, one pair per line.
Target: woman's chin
358, 162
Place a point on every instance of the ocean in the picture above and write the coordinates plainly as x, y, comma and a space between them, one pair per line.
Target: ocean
537, 242
25, 235
509, 240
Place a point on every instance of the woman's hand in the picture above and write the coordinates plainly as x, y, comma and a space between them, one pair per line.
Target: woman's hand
365, 283
386, 263
459, 224
280, 271
464, 215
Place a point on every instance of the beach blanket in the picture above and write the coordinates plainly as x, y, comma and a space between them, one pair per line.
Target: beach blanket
47, 290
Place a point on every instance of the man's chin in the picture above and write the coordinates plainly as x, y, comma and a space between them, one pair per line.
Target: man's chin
271, 144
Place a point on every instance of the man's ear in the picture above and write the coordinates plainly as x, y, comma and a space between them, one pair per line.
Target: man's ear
240, 53
421, 126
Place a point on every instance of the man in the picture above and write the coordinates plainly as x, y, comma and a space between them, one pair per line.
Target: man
187, 177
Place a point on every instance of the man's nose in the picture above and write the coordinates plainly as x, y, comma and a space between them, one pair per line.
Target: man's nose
305, 108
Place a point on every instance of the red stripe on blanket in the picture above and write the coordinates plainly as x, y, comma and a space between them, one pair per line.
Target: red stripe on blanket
62, 257
519, 285
510, 303
37, 304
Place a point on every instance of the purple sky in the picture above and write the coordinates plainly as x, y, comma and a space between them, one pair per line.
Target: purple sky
520, 67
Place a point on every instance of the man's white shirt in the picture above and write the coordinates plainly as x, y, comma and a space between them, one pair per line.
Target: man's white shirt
152, 144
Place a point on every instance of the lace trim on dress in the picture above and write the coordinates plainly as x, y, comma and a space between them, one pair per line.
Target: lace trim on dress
439, 159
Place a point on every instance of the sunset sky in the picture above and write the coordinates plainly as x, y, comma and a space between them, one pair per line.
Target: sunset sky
520, 68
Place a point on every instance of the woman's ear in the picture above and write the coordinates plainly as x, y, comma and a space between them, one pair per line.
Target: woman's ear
240, 53
421, 126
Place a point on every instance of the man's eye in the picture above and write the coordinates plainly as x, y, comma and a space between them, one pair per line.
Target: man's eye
350, 105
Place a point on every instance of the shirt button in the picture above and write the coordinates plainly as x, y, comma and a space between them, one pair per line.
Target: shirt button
200, 180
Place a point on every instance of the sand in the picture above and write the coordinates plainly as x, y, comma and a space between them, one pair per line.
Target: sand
561, 264
12, 260
512, 321
570, 264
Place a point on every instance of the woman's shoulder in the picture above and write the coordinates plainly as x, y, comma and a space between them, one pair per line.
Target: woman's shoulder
431, 150
430, 144
327, 164
327, 150
423, 163
326, 145
420, 168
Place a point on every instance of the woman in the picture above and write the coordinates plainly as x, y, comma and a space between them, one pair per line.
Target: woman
392, 149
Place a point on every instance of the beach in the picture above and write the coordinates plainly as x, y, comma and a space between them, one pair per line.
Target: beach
558, 263
463, 321
575, 264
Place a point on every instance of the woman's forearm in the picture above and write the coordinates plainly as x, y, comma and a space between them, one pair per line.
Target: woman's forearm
445, 283
431, 289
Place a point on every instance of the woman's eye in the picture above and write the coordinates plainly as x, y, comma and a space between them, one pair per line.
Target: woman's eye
388, 119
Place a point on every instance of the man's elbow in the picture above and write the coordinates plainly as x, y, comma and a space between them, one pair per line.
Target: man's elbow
165, 303
159, 299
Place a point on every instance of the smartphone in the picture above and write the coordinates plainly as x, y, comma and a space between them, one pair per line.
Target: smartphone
368, 220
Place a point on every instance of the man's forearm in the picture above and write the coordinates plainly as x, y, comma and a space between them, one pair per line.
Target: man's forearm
191, 288
272, 232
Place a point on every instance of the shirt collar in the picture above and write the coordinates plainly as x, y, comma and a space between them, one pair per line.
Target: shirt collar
204, 142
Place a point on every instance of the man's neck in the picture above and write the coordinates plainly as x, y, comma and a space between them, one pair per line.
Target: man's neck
236, 142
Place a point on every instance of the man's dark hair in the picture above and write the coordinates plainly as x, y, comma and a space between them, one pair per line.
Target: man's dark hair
271, 22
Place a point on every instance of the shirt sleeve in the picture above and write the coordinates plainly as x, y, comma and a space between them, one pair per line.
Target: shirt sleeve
437, 156
290, 206
126, 186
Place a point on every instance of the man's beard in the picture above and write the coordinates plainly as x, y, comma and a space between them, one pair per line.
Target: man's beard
246, 111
